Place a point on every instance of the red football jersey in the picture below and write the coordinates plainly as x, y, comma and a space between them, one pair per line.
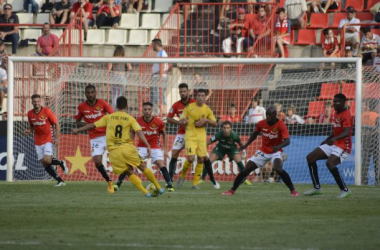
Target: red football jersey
271, 135
151, 131
235, 118
244, 29
340, 121
177, 110
42, 123
91, 114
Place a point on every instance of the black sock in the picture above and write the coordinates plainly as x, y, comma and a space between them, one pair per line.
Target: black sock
239, 180
338, 179
286, 179
56, 162
53, 174
103, 172
313, 168
172, 168
121, 179
165, 173
208, 167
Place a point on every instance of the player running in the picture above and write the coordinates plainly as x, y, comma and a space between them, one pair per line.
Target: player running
41, 121
123, 154
275, 136
227, 140
336, 148
90, 111
195, 117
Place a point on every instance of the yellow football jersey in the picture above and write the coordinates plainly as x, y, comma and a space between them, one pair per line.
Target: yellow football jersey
119, 125
194, 113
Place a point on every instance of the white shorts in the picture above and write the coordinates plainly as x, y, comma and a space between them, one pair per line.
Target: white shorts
260, 159
334, 150
179, 142
98, 145
45, 149
155, 154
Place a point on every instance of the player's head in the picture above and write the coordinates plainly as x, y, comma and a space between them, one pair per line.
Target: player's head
121, 103
36, 101
227, 127
281, 13
157, 44
271, 115
339, 102
232, 110
90, 92
147, 109
201, 96
183, 91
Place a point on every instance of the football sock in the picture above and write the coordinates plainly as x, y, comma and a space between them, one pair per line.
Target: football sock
208, 168
204, 173
197, 173
121, 179
56, 162
338, 179
137, 183
240, 166
185, 168
148, 173
239, 180
172, 167
103, 172
165, 173
52, 173
313, 168
286, 179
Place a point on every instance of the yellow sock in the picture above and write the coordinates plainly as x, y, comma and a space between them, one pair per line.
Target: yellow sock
135, 180
185, 168
149, 174
197, 173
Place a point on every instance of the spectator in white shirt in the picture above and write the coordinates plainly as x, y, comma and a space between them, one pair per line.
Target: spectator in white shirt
292, 118
296, 12
352, 32
256, 113
369, 45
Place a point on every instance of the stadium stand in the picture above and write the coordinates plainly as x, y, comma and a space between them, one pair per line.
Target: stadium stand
328, 90
319, 21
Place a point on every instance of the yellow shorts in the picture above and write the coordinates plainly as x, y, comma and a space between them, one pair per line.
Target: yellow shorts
123, 157
196, 147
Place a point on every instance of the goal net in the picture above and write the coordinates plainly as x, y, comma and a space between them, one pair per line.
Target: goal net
301, 89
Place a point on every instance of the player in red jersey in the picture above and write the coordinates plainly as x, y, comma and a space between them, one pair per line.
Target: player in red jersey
91, 111
275, 136
336, 148
41, 120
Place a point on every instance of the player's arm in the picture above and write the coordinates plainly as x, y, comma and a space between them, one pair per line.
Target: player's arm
284, 143
87, 127
183, 119
210, 120
57, 129
142, 138
346, 132
250, 140
213, 139
29, 131
243, 152
78, 118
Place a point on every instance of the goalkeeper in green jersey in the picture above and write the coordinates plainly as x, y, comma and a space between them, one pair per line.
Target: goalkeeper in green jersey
227, 140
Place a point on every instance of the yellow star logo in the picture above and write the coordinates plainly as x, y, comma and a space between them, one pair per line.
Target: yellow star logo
77, 162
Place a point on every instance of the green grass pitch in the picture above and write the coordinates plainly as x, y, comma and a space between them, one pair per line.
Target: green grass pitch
82, 215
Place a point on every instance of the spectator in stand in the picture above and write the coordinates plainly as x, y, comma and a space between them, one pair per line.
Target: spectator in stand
47, 42
232, 116
326, 117
292, 118
239, 31
369, 45
185, 8
9, 33
108, 15
3, 55
280, 115
200, 84
331, 44
296, 11
86, 9
159, 79
267, 7
3, 86
352, 32
322, 6
132, 6
33, 3
375, 10
95, 3
60, 12
282, 32
256, 113
258, 28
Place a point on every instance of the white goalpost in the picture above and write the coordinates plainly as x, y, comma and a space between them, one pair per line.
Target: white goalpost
61, 80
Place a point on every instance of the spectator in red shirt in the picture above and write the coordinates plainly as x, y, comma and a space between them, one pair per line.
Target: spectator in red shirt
108, 14
330, 44
47, 42
232, 116
86, 9
282, 31
258, 28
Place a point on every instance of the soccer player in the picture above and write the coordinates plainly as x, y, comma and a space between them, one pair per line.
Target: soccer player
194, 118
123, 154
275, 136
336, 148
90, 111
227, 140
41, 121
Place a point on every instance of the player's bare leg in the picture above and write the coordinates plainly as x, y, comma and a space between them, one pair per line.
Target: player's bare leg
165, 173
150, 176
312, 158
251, 166
277, 166
98, 160
173, 162
47, 163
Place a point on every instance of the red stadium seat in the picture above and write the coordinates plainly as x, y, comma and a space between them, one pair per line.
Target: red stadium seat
357, 4
348, 89
305, 37
375, 31
315, 109
319, 21
282, 2
337, 18
352, 107
323, 36
370, 91
364, 16
328, 91
371, 3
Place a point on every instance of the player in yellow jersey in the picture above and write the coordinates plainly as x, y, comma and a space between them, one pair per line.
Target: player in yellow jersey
122, 153
194, 118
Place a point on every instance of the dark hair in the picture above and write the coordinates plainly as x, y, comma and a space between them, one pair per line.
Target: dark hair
281, 10
119, 51
35, 96
263, 7
157, 41
183, 85
7, 4
326, 31
202, 91
121, 102
148, 104
227, 123
90, 86
232, 105
340, 96
365, 30
256, 99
